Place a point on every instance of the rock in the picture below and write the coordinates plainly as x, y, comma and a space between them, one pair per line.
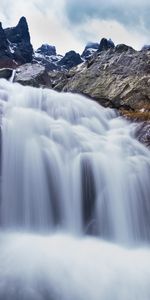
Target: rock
143, 133
58, 79
119, 79
19, 42
3, 39
33, 75
105, 45
15, 46
46, 49
6, 73
71, 59
89, 50
47, 57
145, 47
6, 58
122, 47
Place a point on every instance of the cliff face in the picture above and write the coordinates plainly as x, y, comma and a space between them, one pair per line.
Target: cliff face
15, 45
118, 78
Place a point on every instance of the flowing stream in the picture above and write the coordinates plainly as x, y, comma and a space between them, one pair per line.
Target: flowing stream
75, 200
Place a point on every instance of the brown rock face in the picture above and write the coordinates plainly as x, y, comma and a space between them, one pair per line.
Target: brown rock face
119, 79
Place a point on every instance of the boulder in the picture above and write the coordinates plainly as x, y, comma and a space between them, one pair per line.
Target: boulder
32, 75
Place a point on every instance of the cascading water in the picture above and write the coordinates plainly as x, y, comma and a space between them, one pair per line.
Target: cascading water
71, 169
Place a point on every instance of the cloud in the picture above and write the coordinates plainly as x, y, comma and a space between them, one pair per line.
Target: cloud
124, 21
69, 24
47, 22
129, 12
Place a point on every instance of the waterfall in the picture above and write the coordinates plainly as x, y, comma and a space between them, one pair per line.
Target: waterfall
74, 210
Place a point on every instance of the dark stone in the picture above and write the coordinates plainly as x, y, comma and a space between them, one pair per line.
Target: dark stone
71, 59
6, 58
89, 50
3, 39
105, 45
6, 73
123, 48
46, 50
19, 42
146, 47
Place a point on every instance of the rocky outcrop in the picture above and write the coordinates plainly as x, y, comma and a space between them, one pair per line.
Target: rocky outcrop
15, 46
89, 50
19, 42
70, 60
118, 78
33, 75
6, 57
46, 56
105, 45
46, 49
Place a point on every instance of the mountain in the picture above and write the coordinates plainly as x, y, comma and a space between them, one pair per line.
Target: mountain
15, 45
89, 50
46, 56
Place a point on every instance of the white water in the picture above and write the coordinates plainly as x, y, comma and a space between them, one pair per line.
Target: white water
71, 168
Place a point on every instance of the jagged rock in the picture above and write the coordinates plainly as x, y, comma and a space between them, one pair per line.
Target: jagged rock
33, 75
58, 79
71, 59
3, 39
89, 50
6, 73
6, 58
19, 42
115, 79
105, 45
123, 47
145, 47
47, 57
46, 49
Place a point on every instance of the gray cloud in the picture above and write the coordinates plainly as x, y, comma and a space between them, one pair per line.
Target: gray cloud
133, 13
69, 24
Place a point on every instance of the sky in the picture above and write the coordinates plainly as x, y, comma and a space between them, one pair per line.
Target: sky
71, 24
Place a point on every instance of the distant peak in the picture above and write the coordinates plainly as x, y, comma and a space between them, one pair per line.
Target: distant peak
22, 21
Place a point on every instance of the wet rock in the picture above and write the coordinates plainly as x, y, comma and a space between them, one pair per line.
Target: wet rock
32, 75
143, 133
6, 73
